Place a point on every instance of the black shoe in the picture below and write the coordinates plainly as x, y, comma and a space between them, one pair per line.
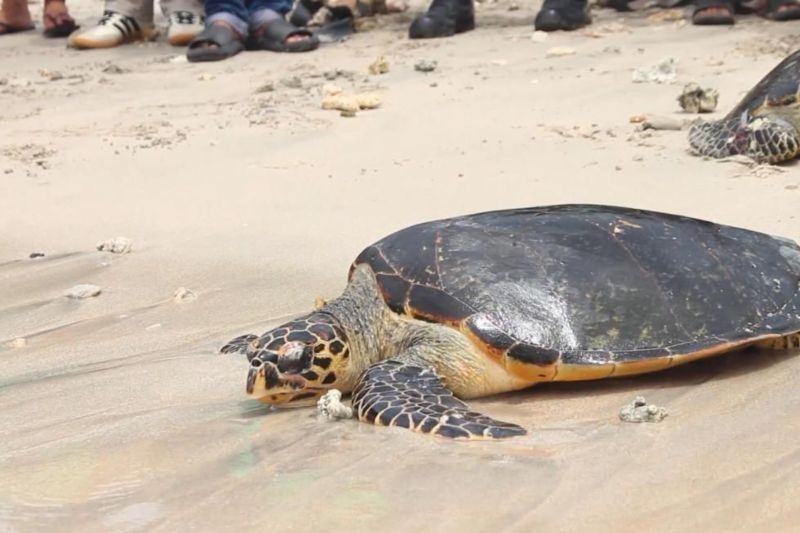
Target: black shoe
444, 18
562, 15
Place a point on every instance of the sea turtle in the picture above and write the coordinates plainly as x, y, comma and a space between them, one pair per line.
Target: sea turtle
497, 301
764, 126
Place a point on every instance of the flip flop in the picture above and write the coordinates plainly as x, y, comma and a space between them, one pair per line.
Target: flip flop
782, 10
273, 36
7, 29
63, 25
713, 13
566, 15
228, 44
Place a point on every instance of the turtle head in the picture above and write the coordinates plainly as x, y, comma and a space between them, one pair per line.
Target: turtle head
296, 363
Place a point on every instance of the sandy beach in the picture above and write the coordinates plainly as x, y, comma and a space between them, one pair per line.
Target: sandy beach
117, 414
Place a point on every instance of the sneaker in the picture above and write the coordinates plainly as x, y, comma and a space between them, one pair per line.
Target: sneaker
113, 29
183, 27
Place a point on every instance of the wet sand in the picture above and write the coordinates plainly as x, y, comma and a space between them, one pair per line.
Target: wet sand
116, 414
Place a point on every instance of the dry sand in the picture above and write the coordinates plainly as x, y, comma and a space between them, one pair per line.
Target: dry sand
115, 412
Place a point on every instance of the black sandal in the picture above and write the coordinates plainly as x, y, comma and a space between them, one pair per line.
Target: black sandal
444, 18
564, 15
783, 10
228, 44
273, 36
713, 13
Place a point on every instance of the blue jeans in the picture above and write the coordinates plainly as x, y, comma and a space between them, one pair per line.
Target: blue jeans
244, 14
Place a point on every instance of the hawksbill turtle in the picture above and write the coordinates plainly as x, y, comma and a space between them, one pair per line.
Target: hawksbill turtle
445, 311
764, 126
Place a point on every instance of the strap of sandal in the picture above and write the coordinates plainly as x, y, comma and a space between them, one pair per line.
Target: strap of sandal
701, 5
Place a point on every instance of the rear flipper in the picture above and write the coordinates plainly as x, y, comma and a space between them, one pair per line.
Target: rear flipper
767, 140
396, 393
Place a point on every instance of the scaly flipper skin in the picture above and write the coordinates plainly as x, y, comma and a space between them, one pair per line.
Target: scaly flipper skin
765, 140
763, 126
240, 345
396, 393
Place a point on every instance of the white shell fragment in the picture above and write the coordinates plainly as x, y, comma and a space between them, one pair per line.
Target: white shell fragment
331, 407
81, 292
665, 71
117, 245
640, 411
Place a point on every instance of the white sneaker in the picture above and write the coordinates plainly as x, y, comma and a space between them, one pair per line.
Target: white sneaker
183, 27
113, 29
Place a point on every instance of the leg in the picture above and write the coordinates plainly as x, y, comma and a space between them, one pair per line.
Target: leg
14, 17
411, 395
444, 18
564, 15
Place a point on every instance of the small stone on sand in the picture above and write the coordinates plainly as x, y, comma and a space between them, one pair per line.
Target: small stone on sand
539, 36
665, 71
266, 88
560, 51
182, 294
640, 411
117, 245
351, 102
426, 65
379, 66
81, 292
695, 99
331, 407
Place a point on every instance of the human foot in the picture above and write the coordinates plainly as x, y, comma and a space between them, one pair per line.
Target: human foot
219, 40
56, 19
14, 17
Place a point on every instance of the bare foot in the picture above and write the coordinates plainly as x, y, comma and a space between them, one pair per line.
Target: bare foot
56, 17
15, 14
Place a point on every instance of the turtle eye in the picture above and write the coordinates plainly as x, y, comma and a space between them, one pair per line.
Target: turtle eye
295, 359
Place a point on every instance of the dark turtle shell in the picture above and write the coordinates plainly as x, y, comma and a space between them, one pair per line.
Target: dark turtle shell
778, 88
586, 284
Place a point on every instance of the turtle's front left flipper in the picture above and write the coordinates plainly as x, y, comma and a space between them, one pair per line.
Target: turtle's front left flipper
396, 393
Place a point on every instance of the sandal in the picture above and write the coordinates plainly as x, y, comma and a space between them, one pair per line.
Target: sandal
444, 18
782, 10
7, 29
60, 24
274, 35
228, 44
713, 13
617, 5
564, 15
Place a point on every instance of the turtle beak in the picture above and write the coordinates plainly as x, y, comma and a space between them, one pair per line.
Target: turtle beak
266, 382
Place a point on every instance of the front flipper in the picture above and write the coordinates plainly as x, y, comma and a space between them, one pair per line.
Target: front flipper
240, 345
395, 393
